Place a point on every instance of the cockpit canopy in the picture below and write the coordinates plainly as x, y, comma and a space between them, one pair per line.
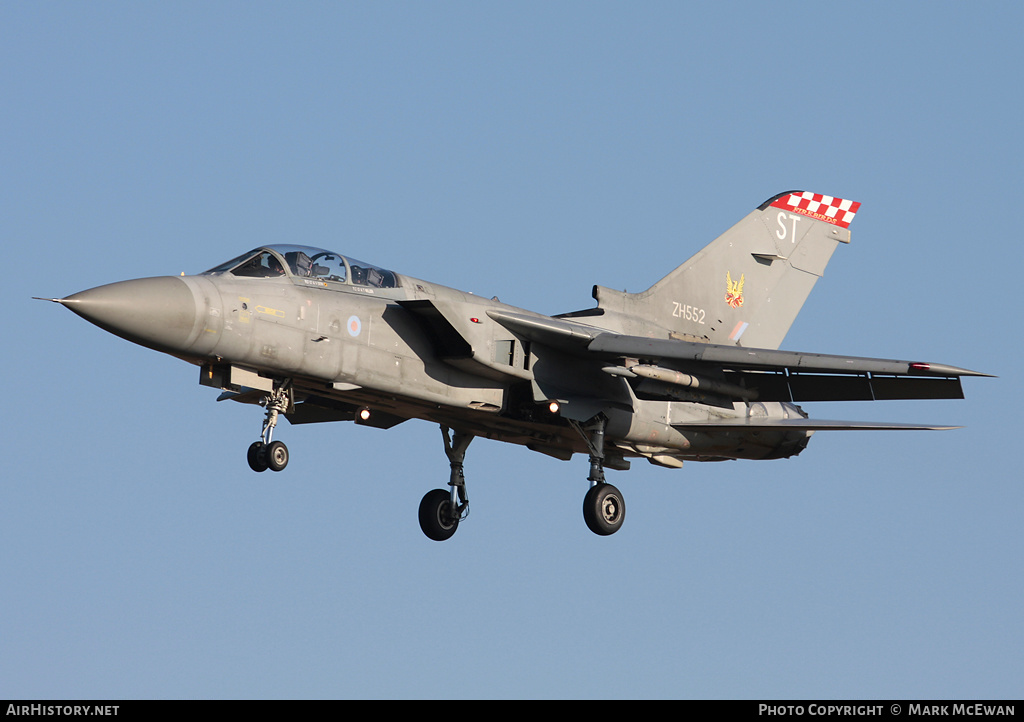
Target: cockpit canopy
306, 262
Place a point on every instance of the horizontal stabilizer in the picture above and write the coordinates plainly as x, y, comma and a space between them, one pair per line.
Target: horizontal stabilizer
810, 425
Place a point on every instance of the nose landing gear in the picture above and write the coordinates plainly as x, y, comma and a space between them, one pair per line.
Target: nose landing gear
266, 453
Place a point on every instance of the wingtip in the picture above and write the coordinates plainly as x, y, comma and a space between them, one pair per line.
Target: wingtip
946, 370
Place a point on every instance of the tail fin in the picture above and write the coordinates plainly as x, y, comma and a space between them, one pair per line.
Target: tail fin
748, 285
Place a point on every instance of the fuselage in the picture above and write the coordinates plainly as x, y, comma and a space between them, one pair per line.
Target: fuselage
345, 332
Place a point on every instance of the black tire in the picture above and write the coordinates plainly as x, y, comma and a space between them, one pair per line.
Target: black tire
255, 456
436, 518
604, 509
276, 455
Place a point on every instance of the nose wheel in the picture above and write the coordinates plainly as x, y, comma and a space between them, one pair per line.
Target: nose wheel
266, 453
273, 456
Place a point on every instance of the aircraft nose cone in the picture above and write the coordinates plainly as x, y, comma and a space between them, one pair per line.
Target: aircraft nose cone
156, 312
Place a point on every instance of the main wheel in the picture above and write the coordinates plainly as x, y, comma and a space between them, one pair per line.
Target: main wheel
436, 518
604, 509
256, 458
276, 455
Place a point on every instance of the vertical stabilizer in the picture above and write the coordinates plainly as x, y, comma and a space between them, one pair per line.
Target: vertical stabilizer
748, 285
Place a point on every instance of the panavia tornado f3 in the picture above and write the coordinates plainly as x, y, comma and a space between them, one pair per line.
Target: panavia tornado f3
687, 370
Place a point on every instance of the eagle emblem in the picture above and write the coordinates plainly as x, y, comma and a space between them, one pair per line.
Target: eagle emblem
734, 290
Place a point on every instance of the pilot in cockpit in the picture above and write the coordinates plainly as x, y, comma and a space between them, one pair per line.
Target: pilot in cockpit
276, 269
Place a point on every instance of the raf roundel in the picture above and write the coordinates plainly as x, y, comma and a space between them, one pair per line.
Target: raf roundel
354, 326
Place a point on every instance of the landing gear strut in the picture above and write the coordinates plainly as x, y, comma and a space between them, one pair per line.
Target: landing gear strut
266, 453
604, 508
440, 510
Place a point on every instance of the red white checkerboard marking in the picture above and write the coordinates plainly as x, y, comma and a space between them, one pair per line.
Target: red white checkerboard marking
825, 208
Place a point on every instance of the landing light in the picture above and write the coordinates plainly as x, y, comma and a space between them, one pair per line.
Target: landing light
364, 413
553, 407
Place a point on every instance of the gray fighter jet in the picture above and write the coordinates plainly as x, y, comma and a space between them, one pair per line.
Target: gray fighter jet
686, 370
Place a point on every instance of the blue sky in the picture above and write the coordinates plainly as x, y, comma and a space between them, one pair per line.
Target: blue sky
528, 151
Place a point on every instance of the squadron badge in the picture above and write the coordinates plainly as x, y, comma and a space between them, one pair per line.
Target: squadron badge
734, 290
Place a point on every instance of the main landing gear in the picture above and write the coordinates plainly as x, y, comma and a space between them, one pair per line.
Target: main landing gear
266, 453
441, 510
604, 508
